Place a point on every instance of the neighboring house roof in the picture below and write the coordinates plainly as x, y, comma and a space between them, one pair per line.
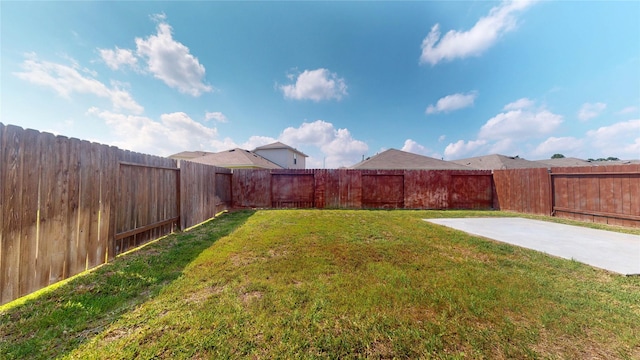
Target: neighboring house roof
397, 159
235, 159
188, 155
613, 162
565, 162
279, 145
497, 162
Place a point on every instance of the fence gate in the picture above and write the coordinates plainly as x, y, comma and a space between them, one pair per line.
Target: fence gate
148, 203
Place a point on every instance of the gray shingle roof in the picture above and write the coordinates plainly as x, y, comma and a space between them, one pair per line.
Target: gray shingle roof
188, 155
565, 162
497, 162
397, 159
235, 158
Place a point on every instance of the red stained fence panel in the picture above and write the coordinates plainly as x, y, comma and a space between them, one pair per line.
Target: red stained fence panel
363, 189
604, 194
523, 190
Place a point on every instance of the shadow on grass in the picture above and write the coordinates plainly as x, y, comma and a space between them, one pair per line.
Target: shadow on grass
58, 321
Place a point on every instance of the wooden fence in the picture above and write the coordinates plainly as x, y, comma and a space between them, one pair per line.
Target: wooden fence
602, 194
70, 205
363, 189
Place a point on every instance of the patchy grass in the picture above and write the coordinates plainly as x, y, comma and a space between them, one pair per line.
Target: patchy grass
332, 284
62, 317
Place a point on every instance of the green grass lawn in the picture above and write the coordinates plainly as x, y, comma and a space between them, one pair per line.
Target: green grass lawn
330, 284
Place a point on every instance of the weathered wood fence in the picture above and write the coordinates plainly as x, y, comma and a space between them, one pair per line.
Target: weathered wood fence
602, 194
70, 205
363, 189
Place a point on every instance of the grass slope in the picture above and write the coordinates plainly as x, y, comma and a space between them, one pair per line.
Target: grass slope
331, 284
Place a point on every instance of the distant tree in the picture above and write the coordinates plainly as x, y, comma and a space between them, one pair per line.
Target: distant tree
611, 158
557, 156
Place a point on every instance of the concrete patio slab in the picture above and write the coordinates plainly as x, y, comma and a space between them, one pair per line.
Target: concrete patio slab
608, 250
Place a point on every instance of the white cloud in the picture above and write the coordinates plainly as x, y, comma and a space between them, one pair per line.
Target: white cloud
461, 44
628, 110
452, 102
519, 104
520, 124
568, 146
442, 138
620, 140
416, 148
67, 80
508, 132
118, 57
255, 141
217, 116
316, 85
338, 146
413, 147
172, 62
590, 110
462, 149
174, 132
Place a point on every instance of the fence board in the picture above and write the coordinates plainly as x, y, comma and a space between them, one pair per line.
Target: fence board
29, 214
10, 247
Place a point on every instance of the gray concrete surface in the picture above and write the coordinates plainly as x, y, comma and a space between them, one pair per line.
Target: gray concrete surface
608, 250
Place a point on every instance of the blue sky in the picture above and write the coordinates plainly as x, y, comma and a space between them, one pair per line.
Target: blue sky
337, 80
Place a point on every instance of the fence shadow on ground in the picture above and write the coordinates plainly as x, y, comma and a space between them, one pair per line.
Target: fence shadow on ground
58, 321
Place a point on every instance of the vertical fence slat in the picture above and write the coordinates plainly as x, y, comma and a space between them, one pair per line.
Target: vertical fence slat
29, 213
10, 247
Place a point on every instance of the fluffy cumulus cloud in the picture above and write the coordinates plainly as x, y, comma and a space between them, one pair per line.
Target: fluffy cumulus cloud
520, 124
620, 140
473, 42
590, 110
524, 129
316, 85
452, 102
174, 132
338, 147
463, 148
217, 116
523, 103
118, 57
171, 61
508, 131
558, 145
67, 80
414, 147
